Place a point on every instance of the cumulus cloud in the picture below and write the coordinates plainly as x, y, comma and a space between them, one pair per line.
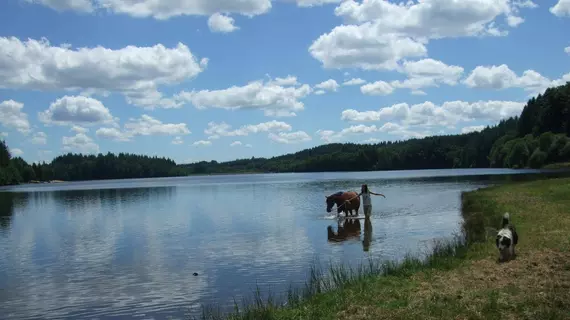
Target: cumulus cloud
221, 23
561, 8
290, 137
164, 9
223, 129
274, 99
143, 126
354, 82
79, 129
11, 116
377, 34
177, 140
113, 134
378, 88
330, 85
320, 92
147, 125
314, 3
235, 143
80, 143
39, 138
502, 77
202, 143
71, 110
420, 74
364, 47
16, 152
470, 129
349, 133
133, 71
567, 50
429, 114
287, 81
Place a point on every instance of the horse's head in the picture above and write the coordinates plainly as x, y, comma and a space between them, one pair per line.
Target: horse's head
331, 200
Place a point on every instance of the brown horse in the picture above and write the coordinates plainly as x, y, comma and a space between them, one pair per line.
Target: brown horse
340, 199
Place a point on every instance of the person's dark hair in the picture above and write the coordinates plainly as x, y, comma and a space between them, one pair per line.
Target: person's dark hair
364, 188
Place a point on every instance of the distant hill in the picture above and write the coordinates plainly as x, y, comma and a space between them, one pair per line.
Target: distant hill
538, 137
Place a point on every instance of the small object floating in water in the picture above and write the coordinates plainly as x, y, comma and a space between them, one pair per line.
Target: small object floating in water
195, 273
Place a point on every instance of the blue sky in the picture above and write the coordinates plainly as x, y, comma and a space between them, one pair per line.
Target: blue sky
218, 80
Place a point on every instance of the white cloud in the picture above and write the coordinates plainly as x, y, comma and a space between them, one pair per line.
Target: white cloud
177, 140
147, 125
348, 133
16, 152
378, 88
290, 137
11, 116
63, 5
70, 110
275, 100
79, 129
470, 129
330, 85
202, 143
561, 9
80, 143
372, 141
223, 129
365, 47
134, 71
164, 9
235, 143
113, 134
567, 50
433, 69
248, 145
428, 114
429, 18
314, 3
502, 77
354, 82
143, 126
221, 23
4, 134
39, 138
320, 92
287, 81
377, 34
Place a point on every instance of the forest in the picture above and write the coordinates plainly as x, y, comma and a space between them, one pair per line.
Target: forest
539, 136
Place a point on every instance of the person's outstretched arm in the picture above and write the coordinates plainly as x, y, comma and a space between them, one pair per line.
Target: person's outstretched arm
377, 194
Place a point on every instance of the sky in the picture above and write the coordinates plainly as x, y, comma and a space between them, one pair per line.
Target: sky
197, 80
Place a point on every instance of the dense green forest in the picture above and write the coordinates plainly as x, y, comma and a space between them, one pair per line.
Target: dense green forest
75, 167
539, 136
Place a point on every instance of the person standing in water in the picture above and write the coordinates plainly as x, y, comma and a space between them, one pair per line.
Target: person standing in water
367, 202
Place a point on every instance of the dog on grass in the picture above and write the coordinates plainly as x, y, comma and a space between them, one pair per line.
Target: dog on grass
507, 239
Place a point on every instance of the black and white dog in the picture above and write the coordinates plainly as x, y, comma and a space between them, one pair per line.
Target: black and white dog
507, 239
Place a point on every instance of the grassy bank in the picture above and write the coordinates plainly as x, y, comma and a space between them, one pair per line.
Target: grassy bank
462, 279
560, 165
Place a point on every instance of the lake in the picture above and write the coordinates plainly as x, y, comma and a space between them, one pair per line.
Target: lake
117, 248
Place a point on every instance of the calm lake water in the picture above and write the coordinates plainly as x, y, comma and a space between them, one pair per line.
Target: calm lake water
112, 249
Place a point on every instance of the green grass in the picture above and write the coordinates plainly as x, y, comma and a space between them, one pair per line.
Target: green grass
461, 279
560, 165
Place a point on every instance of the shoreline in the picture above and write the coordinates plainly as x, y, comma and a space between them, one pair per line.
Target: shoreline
460, 279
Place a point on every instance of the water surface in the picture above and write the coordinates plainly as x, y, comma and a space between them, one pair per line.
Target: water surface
117, 248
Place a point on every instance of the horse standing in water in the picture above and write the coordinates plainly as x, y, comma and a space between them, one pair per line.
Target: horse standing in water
340, 199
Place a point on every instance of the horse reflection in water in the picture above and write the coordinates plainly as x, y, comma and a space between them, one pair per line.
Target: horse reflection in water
350, 229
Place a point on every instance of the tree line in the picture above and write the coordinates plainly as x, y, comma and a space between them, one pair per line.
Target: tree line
539, 136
